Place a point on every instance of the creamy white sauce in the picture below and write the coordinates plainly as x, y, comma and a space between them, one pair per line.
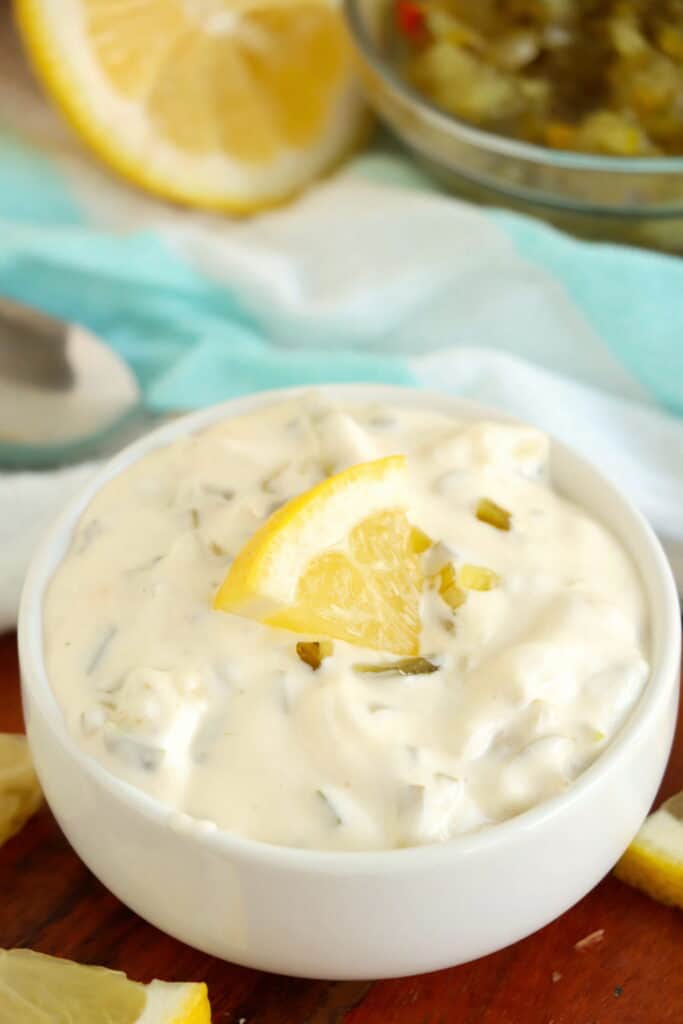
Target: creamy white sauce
216, 715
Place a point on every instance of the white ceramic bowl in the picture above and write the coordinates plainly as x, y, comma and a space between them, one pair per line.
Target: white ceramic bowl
359, 915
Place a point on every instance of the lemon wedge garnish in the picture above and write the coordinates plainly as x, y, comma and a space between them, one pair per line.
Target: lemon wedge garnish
654, 860
37, 988
20, 793
226, 104
341, 560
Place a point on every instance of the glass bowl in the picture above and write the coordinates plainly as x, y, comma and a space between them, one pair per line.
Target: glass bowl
622, 198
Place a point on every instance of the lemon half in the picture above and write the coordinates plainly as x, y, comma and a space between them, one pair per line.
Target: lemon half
226, 104
341, 560
36, 988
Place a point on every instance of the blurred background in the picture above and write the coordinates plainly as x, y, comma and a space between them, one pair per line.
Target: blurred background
202, 198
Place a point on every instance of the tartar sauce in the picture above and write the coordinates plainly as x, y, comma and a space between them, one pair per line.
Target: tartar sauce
217, 715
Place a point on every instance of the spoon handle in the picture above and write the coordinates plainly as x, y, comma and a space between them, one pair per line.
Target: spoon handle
33, 347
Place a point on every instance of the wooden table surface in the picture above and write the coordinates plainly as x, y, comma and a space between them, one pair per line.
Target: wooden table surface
52, 903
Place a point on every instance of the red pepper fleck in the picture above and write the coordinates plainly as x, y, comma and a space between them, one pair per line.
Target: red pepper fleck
410, 18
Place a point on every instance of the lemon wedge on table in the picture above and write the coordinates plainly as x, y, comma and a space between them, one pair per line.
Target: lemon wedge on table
341, 560
20, 793
35, 989
654, 860
224, 104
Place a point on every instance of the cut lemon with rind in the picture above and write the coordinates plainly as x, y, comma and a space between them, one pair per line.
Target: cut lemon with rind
20, 793
37, 988
222, 104
340, 560
654, 860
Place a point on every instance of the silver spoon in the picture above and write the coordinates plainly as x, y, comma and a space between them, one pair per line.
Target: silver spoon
64, 394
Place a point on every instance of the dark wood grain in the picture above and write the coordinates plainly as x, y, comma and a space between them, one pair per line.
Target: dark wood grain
51, 902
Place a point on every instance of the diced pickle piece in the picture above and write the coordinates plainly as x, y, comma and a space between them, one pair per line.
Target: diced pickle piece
446, 577
494, 515
419, 541
560, 135
477, 577
403, 667
454, 596
269, 483
312, 652
449, 590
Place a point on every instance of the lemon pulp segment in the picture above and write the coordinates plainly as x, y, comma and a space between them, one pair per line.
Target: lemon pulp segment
341, 560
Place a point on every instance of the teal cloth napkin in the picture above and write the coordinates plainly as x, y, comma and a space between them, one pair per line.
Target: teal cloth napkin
192, 338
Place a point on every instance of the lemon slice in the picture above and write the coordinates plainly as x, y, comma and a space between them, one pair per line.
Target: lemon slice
20, 794
36, 989
341, 560
654, 860
227, 104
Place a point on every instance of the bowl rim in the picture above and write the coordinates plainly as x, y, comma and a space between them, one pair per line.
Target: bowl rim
660, 594
502, 144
